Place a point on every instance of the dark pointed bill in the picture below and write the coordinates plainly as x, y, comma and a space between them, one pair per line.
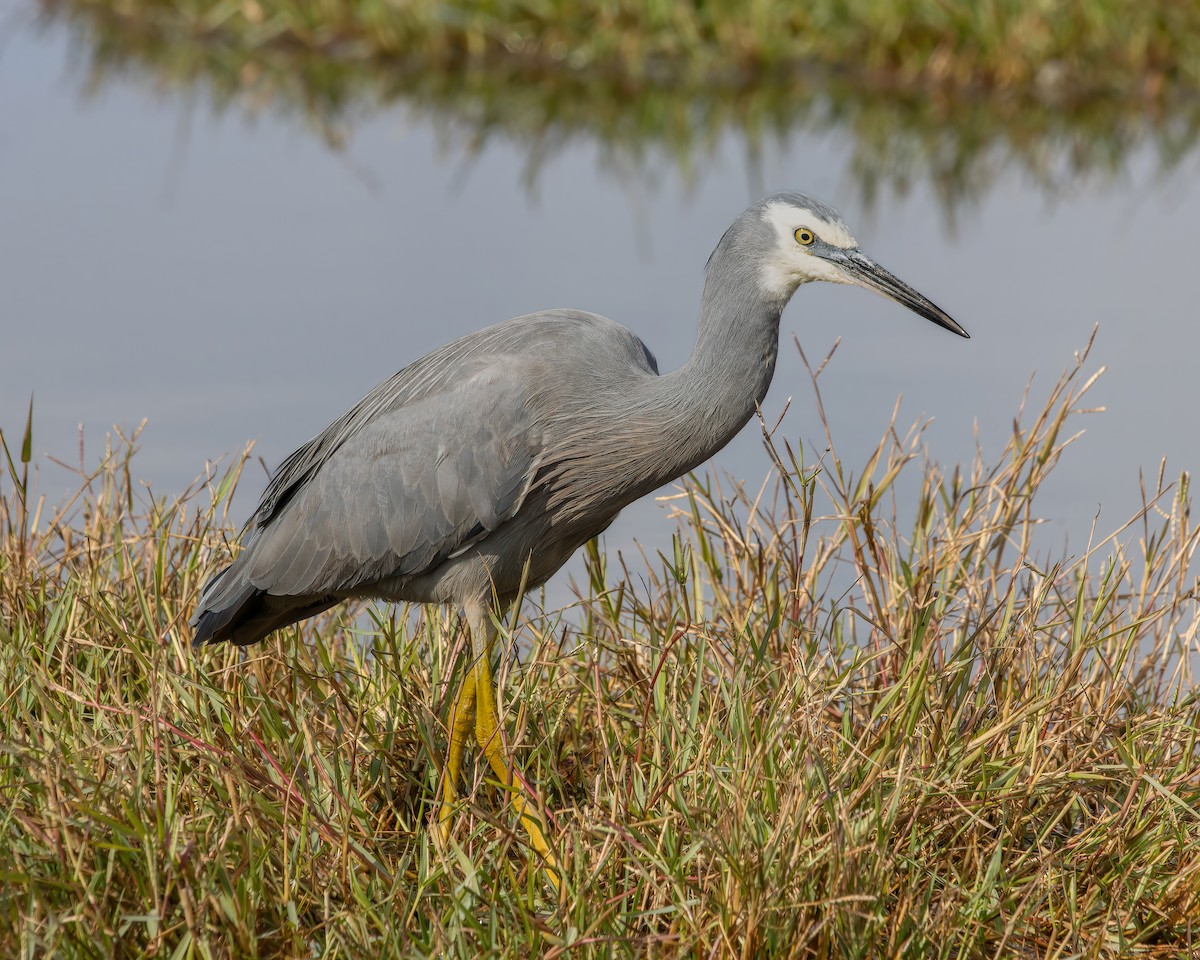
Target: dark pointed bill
865, 272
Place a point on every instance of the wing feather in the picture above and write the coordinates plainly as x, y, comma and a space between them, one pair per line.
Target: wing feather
428, 464
417, 485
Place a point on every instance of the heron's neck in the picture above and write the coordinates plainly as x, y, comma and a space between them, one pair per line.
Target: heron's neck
716, 392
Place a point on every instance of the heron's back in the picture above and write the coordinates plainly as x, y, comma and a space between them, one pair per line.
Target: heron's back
444, 480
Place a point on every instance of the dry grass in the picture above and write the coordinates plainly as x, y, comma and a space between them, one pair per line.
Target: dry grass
854, 715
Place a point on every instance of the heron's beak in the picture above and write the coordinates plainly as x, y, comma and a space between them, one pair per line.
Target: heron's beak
865, 272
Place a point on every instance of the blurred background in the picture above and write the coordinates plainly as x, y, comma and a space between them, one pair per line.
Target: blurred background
229, 221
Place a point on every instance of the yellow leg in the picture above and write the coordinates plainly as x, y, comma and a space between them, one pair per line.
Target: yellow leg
487, 732
462, 714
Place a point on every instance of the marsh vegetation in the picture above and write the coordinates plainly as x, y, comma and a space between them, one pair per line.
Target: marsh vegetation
860, 708
836, 721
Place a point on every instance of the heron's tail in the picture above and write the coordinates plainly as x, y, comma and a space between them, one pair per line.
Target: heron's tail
232, 608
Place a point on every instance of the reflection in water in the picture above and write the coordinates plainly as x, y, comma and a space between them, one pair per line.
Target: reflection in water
145, 268
901, 138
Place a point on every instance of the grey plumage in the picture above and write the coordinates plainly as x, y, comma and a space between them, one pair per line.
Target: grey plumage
516, 444
483, 466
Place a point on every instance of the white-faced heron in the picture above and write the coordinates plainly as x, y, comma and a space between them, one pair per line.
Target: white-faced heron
477, 470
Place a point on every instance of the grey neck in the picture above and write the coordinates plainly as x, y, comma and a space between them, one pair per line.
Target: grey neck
714, 394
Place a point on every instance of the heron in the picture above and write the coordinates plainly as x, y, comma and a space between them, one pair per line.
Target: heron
476, 471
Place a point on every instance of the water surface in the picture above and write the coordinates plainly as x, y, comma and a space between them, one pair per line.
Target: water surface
230, 276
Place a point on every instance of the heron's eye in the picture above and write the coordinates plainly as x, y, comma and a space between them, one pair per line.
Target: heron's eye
805, 237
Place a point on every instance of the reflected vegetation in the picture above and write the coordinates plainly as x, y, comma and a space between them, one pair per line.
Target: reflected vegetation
901, 135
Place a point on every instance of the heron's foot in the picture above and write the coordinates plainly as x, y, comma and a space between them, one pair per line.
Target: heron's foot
462, 717
488, 736
445, 819
523, 803
521, 797
538, 840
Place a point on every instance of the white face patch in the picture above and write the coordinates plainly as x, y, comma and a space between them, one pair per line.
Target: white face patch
791, 264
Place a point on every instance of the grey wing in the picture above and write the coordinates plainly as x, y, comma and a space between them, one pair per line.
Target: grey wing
415, 486
427, 378
427, 464
504, 347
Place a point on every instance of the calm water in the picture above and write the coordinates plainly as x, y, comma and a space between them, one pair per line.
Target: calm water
234, 279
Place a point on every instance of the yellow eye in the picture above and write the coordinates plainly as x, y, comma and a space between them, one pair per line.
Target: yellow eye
805, 237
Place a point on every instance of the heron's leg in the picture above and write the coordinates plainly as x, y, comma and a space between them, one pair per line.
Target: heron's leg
487, 732
462, 716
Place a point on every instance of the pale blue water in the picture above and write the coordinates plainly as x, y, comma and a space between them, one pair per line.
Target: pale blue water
233, 281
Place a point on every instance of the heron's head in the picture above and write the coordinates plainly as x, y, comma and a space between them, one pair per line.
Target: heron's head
796, 239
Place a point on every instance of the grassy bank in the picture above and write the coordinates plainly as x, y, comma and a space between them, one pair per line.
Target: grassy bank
839, 721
